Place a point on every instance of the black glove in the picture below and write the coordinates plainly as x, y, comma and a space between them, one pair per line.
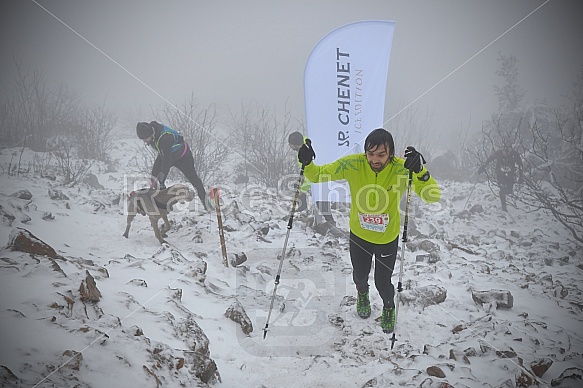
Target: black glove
413, 159
306, 153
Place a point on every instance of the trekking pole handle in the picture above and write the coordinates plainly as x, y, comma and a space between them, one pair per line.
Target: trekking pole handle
299, 184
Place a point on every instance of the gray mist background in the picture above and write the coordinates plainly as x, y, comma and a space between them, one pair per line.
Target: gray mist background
135, 54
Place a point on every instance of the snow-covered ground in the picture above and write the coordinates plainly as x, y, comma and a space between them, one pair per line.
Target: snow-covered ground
161, 318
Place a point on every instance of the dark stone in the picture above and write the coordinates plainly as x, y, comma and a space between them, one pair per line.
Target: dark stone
502, 299
22, 240
540, 366
22, 194
435, 371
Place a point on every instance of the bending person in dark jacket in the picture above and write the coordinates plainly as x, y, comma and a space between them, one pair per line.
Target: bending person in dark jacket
172, 151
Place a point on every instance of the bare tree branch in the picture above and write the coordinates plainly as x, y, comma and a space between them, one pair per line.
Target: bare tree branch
262, 137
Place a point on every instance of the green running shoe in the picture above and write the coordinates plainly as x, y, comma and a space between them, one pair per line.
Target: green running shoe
363, 305
388, 319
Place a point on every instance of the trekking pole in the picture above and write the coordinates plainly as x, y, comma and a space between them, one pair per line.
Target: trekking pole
400, 283
215, 194
289, 226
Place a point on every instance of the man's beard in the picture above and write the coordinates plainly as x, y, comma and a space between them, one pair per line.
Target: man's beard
377, 169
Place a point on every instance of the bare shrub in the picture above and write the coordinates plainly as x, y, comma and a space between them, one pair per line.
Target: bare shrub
91, 130
71, 168
550, 141
34, 112
554, 166
412, 127
260, 136
144, 160
42, 164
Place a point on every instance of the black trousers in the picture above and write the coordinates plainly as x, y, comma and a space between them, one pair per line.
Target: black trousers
186, 165
506, 185
361, 254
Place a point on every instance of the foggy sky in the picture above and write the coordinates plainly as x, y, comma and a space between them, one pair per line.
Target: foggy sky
234, 52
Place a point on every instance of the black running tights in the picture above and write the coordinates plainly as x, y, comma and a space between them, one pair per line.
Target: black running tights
361, 253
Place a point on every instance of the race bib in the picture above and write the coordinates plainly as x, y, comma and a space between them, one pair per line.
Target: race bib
374, 222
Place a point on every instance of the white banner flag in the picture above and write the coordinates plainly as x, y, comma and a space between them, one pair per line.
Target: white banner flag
345, 82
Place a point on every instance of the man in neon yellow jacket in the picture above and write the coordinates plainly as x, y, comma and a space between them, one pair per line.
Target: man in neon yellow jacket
377, 180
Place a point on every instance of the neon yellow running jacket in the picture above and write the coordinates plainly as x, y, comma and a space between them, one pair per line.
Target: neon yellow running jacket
374, 212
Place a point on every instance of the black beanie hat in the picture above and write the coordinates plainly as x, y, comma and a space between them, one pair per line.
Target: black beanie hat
144, 130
